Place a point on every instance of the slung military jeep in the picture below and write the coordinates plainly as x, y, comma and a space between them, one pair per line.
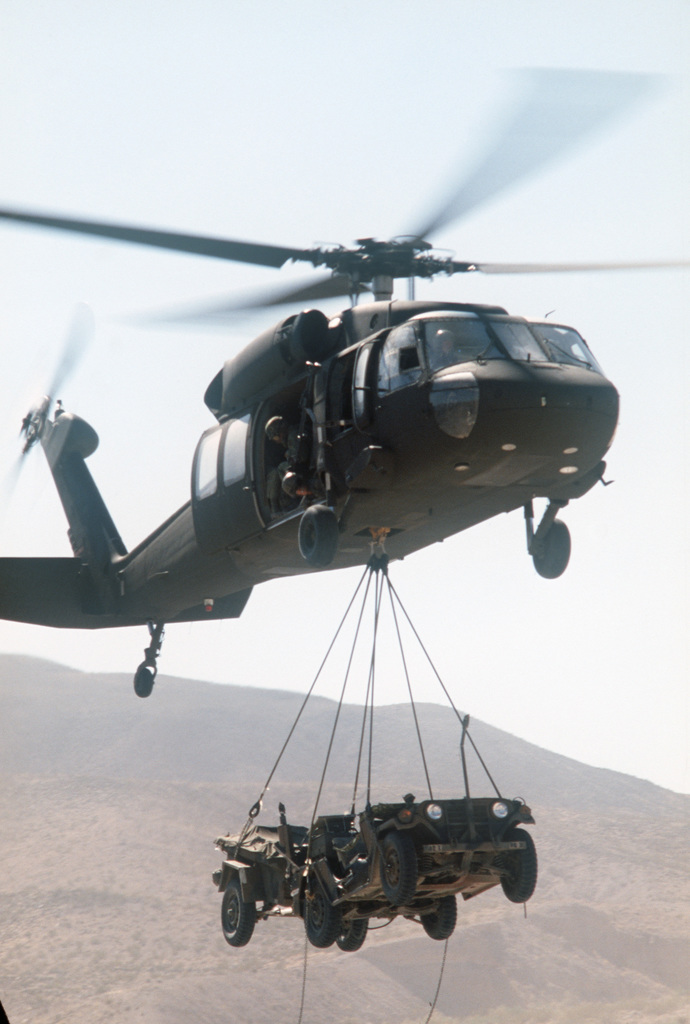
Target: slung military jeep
404, 859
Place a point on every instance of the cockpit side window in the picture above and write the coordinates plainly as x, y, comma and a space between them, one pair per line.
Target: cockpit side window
399, 361
450, 341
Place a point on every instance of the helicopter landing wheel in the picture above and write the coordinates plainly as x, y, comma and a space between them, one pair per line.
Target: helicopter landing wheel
553, 552
145, 675
318, 535
144, 679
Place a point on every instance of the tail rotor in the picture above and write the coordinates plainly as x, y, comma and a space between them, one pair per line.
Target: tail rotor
34, 423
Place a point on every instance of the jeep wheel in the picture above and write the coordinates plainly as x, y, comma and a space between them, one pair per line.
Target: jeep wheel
398, 868
322, 921
352, 935
520, 867
440, 924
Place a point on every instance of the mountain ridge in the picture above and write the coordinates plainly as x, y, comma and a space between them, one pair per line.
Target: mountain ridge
110, 806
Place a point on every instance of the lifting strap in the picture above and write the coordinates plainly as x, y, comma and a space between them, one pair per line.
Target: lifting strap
377, 569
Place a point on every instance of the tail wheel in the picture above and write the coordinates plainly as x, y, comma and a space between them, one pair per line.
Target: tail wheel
318, 535
398, 868
352, 935
322, 921
441, 923
237, 916
553, 554
143, 681
519, 879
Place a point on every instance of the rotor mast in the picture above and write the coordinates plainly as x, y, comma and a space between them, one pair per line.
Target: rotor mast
382, 287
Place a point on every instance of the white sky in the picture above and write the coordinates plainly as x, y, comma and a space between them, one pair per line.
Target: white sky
307, 122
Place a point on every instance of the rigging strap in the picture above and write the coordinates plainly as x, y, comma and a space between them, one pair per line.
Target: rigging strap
256, 807
378, 567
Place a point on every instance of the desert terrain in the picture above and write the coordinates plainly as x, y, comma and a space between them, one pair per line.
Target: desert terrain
110, 806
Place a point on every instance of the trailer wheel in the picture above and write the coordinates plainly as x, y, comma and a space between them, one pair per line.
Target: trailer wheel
237, 916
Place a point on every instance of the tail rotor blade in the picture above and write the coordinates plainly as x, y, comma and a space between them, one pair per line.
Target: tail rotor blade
77, 341
79, 337
11, 480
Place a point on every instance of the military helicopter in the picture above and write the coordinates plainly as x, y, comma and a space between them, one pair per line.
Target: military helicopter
395, 421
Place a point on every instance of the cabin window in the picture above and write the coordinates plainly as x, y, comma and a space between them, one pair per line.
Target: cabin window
206, 468
234, 451
362, 399
399, 362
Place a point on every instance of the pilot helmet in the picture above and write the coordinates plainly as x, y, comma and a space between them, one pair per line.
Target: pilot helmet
445, 340
276, 428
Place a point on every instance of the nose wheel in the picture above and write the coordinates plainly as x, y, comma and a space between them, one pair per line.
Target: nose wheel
145, 675
550, 545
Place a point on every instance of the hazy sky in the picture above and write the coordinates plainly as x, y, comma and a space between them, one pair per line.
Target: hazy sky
310, 122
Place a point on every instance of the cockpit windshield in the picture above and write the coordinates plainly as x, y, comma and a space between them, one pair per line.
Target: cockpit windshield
565, 345
451, 340
461, 338
519, 342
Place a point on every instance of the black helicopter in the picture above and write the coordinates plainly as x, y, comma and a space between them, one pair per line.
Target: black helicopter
395, 421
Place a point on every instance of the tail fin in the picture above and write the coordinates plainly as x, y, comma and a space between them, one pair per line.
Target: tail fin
68, 441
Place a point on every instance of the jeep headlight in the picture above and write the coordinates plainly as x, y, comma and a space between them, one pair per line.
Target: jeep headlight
434, 811
500, 809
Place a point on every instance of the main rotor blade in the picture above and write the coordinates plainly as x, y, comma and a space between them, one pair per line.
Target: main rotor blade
566, 268
555, 111
202, 245
322, 288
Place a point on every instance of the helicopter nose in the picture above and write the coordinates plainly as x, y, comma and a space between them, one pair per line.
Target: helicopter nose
536, 425
555, 412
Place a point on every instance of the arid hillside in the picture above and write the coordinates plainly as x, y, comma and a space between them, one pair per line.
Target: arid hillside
110, 806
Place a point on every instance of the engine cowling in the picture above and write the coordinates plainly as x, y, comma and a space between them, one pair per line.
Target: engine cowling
271, 361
